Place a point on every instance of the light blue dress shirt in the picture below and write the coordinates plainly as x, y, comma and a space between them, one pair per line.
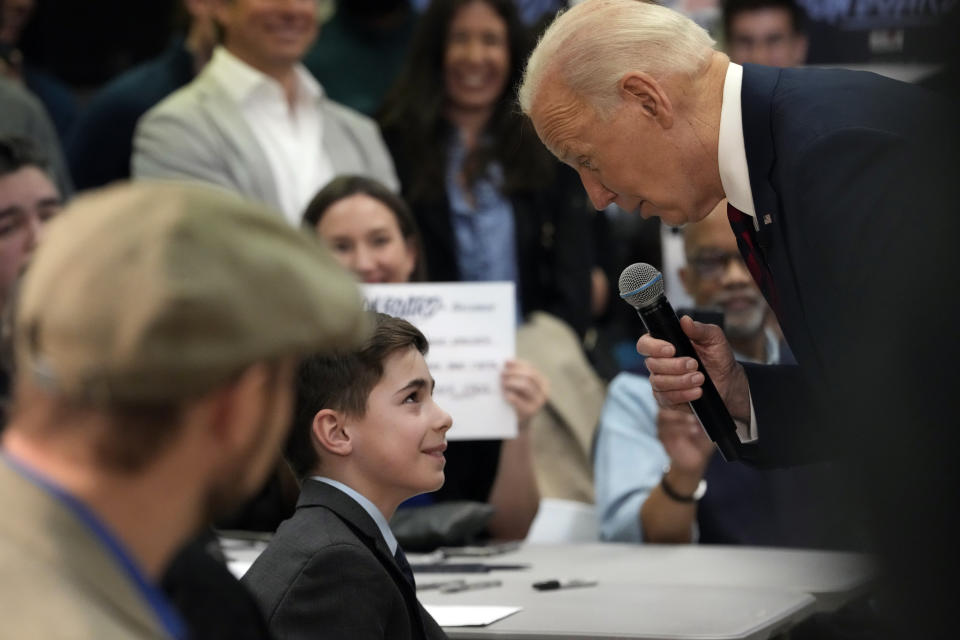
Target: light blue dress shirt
369, 507
483, 225
630, 458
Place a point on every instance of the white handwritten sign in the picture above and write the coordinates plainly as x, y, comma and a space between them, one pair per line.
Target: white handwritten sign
471, 327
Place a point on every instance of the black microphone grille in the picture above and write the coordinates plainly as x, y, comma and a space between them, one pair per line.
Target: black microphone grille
640, 284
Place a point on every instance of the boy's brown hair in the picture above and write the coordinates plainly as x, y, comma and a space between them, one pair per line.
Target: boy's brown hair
343, 382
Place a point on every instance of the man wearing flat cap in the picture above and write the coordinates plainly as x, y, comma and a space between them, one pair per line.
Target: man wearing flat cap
156, 340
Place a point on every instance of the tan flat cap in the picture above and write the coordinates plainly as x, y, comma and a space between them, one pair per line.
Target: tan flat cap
154, 292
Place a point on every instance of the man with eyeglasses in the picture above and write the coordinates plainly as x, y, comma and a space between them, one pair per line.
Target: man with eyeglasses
657, 478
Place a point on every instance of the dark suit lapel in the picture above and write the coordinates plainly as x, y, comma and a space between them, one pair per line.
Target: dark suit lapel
314, 493
757, 96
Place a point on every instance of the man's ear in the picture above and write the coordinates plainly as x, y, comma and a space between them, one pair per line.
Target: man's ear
236, 411
642, 90
329, 432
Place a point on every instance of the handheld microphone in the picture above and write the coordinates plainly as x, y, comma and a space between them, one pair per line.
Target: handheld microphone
641, 286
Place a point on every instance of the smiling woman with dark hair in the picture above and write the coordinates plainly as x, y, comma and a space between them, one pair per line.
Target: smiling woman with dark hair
490, 202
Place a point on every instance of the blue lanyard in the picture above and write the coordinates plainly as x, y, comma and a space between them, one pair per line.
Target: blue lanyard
168, 617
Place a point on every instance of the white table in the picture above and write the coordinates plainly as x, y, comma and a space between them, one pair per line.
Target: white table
659, 591
648, 592
643, 612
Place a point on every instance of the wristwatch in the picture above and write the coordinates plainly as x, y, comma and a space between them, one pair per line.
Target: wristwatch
673, 495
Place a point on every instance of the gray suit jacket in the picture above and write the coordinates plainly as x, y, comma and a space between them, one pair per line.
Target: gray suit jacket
328, 573
199, 133
58, 581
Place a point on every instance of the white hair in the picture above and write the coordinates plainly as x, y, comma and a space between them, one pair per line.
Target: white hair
592, 45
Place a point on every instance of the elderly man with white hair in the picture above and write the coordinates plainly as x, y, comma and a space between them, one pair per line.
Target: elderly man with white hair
837, 183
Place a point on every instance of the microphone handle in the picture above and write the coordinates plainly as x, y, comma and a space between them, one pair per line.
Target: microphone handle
661, 322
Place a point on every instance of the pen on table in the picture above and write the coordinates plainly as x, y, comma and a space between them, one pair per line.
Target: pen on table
468, 567
550, 585
423, 586
470, 586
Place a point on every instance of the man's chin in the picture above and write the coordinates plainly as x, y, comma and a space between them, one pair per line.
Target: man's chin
744, 326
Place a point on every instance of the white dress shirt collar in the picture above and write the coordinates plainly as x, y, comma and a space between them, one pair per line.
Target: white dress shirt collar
241, 81
731, 149
290, 135
369, 507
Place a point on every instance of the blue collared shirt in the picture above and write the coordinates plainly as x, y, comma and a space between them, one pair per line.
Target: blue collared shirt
483, 225
369, 507
158, 602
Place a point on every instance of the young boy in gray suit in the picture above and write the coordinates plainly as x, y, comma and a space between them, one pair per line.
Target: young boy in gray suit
366, 436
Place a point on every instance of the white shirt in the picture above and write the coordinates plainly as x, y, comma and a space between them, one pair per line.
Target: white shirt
291, 137
369, 507
673, 257
731, 149
735, 177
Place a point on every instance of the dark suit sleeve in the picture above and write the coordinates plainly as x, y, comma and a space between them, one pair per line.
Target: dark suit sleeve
341, 592
785, 408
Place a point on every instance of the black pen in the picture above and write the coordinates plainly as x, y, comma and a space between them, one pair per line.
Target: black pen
550, 585
423, 586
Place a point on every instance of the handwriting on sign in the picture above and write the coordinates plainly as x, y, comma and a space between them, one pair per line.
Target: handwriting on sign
460, 392
473, 307
456, 365
421, 307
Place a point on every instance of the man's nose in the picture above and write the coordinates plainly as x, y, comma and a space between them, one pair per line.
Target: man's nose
444, 419
735, 273
599, 195
35, 228
364, 259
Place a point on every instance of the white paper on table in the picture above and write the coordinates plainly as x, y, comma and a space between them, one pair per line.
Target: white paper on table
455, 615
472, 329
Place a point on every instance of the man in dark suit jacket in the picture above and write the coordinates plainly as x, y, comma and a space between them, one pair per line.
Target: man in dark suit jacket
366, 436
843, 199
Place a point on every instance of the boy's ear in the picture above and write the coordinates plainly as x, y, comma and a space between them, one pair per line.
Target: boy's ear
329, 432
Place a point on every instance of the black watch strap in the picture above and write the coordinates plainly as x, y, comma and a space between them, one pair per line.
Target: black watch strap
673, 495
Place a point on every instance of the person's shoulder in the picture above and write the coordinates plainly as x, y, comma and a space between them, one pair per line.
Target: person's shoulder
191, 97
67, 590
16, 100
827, 100
314, 534
347, 116
310, 529
140, 88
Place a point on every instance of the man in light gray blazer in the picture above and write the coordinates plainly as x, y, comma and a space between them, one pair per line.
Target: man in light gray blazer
255, 121
116, 452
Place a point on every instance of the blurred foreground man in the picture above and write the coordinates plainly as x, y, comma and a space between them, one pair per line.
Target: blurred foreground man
157, 333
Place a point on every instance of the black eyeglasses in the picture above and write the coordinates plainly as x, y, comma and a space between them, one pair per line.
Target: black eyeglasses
711, 265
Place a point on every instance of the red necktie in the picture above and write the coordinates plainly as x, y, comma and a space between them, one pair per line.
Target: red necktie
743, 228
